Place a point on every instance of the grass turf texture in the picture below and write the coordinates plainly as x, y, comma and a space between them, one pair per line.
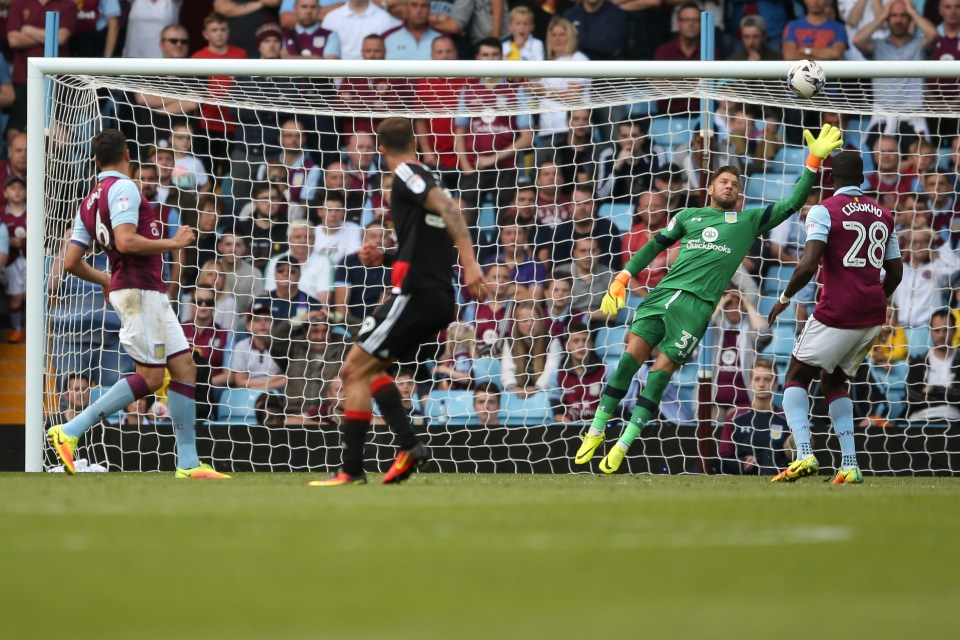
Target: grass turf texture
468, 556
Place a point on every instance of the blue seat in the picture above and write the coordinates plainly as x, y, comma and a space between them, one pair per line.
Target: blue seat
95, 394
793, 158
486, 370
487, 218
766, 304
672, 131
777, 278
620, 214
452, 407
237, 406
609, 342
528, 412
918, 340
784, 337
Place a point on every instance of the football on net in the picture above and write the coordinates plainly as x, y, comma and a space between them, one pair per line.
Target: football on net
806, 79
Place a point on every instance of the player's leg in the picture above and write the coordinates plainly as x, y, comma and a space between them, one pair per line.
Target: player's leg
796, 407
836, 389
413, 453
181, 396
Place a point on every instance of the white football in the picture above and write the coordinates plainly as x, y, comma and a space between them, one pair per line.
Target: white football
806, 79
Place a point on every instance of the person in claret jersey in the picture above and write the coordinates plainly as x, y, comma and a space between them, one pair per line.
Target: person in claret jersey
579, 379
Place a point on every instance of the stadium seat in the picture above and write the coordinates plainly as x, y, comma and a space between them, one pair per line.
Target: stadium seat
609, 341
486, 370
620, 214
237, 406
450, 407
793, 158
945, 158
95, 394
918, 340
766, 304
784, 337
527, 412
670, 131
776, 279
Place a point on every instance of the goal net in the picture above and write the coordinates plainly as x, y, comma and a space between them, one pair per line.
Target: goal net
562, 171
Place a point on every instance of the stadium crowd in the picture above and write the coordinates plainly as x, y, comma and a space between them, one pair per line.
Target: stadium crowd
273, 288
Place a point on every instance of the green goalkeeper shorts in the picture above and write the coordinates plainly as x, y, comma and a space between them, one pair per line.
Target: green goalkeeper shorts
672, 320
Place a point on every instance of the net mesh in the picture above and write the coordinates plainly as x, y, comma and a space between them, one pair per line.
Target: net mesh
264, 168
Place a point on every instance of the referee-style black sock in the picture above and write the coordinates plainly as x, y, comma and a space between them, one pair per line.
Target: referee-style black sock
388, 398
353, 435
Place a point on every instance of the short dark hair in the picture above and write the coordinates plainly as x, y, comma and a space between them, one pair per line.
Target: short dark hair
212, 17
847, 169
947, 315
374, 36
109, 146
396, 134
334, 196
488, 388
488, 42
729, 168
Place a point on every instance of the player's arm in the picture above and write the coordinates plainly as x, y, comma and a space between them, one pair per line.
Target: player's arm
74, 263
807, 267
129, 242
615, 297
438, 202
892, 266
830, 139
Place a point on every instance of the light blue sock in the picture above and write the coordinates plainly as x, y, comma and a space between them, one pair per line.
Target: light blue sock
116, 398
796, 406
841, 415
183, 412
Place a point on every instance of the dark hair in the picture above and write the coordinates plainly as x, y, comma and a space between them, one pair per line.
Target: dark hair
443, 36
847, 169
374, 36
334, 196
690, 5
109, 146
214, 17
724, 169
396, 135
487, 387
488, 42
947, 315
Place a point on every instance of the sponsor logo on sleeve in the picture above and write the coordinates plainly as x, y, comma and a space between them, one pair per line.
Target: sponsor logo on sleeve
671, 224
122, 203
413, 180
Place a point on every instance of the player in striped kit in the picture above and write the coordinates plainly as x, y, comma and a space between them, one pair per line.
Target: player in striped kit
851, 238
116, 217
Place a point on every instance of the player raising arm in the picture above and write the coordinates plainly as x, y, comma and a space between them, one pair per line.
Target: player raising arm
714, 240
851, 238
429, 226
117, 218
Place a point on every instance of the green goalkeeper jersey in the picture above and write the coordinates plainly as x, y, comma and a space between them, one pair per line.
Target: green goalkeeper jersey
714, 243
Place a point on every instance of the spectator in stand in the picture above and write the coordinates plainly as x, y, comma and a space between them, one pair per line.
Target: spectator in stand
579, 379
359, 285
16, 164
251, 366
558, 307
555, 93
209, 344
288, 15
266, 230
486, 404
524, 207
625, 170
407, 386
815, 36
287, 303
97, 29
590, 279
376, 94
759, 432
189, 172
481, 18
526, 272
650, 218
225, 304
923, 156
74, 399
243, 279
411, 40
26, 25
7, 94
767, 143
335, 238
303, 176
573, 151
941, 200
943, 94
5, 251
186, 268
491, 317
436, 136
926, 276
855, 15
146, 21
313, 357
14, 218
487, 146
217, 123
313, 281
933, 381
686, 46
753, 41
553, 205
354, 21
244, 17
530, 358
911, 37
584, 224
889, 182
307, 40
454, 367
521, 44
892, 340
602, 27
362, 163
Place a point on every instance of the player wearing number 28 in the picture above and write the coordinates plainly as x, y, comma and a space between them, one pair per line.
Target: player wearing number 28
118, 219
714, 240
850, 238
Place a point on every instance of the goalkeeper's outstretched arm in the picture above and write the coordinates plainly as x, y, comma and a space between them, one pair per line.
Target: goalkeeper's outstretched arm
616, 296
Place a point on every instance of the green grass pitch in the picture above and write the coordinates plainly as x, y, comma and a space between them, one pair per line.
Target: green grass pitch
477, 556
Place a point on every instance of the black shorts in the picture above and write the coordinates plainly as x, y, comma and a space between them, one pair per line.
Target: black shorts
403, 323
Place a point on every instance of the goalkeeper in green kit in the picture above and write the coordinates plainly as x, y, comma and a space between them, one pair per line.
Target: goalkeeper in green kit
674, 315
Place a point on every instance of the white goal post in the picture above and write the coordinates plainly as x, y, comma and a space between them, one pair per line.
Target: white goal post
59, 161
